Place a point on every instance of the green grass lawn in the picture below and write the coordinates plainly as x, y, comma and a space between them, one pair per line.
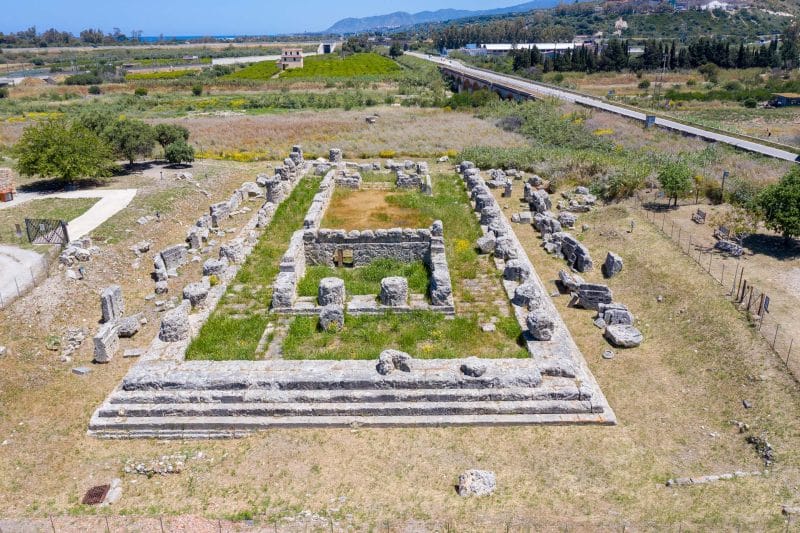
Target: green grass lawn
367, 279
333, 66
257, 71
51, 208
423, 334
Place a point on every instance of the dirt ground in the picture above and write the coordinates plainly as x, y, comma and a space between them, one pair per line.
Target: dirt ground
368, 209
675, 397
768, 263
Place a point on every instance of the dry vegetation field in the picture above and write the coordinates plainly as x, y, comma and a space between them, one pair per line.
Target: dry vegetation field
675, 397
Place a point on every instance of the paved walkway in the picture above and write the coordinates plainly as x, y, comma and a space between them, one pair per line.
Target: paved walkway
111, 202
537, 89
18, 270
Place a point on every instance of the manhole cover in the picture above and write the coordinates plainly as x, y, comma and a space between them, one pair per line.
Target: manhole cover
95, 495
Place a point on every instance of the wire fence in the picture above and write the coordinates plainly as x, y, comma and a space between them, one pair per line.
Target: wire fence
731, 274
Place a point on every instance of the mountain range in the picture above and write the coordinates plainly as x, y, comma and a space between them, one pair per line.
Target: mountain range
401, 19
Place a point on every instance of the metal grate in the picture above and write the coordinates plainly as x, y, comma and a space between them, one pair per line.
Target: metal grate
44, 231
95, 495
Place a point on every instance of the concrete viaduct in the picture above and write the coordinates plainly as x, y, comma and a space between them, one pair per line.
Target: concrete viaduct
512, 88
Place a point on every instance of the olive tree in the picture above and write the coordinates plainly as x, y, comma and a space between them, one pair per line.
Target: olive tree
675, 179
779, 204
130, 139
58, 149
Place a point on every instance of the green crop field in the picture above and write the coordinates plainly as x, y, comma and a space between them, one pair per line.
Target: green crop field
333, 66
163, 75
257, 71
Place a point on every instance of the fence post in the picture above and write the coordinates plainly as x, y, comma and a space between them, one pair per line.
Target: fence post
671, 229
791, 343
775, 338
722, 281
663, 220
17, 284
710, 258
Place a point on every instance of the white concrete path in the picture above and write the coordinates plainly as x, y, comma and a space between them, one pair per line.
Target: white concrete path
111, 201
19, 269
538, 89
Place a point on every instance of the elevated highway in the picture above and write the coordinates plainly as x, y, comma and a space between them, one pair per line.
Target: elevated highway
511, 87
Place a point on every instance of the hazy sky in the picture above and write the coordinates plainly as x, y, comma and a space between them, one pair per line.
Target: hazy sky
207, 17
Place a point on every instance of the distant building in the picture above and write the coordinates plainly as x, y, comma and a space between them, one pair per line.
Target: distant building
326, 48
291, 58
785, 99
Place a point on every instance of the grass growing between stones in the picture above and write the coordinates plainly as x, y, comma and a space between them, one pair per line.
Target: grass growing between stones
51, 208
233, 333
366, 279
423, 334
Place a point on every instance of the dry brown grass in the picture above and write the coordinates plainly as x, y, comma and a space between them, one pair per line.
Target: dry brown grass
369, 209
674, 398
410, 132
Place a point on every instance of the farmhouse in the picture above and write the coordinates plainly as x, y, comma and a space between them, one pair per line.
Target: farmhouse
291, 58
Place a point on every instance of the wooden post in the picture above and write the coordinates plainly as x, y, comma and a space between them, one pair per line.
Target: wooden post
791, 343
775, 338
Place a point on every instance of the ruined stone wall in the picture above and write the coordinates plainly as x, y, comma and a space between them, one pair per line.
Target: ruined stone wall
406, 245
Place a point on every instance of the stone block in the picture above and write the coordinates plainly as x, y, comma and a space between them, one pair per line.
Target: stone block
331, 317
233, 251
540, 325
112, 304
394, 291
175, 324
196, 293
476, 483
516, 270
623, 336
391, 360
612, 265
473, 367
528, 295
615, 313
129, 326
215, 267
540, 201
174, 256
106, 342
331, 291
335, 155
591, 295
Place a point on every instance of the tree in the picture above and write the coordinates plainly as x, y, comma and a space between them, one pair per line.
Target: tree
56, 149
197, 89
179, 152
676, 180
396, 50
790, 46
167, 134
96, 119
780, 205
130, 139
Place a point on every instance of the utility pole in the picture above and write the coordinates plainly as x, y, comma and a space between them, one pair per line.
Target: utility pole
722, 189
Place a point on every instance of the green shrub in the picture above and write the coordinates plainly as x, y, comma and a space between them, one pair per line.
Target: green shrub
197, 89
94, 89
691, 82
140, 91
733, 85
3, 92
644, 84
84, 79
712, 191
750, 103
179, 152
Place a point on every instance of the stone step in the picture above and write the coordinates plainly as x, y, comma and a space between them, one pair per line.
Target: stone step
567, 391
232, 426
345, 409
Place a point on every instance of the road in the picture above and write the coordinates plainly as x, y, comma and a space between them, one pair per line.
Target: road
536, 89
